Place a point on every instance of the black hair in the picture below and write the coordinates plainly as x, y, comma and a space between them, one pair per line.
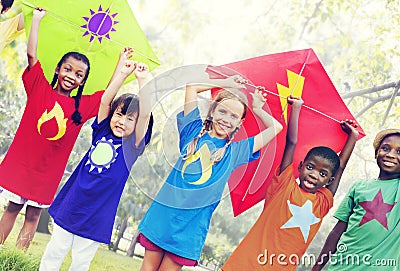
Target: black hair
326, 153
76, 116
6, 4
129, 104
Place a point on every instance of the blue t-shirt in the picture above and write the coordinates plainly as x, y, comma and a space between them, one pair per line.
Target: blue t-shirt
179, 217
88, 202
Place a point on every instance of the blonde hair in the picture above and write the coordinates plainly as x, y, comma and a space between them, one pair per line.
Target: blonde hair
223, 95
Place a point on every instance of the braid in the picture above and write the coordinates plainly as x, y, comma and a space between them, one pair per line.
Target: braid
219, 154
53, 82
76, 116
191, 147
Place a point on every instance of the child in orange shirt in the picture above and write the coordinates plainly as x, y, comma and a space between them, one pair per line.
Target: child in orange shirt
293, 212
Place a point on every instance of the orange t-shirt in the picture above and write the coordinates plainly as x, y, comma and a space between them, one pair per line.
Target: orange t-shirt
288, 223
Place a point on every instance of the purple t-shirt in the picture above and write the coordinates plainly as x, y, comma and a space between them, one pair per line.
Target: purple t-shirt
88, 202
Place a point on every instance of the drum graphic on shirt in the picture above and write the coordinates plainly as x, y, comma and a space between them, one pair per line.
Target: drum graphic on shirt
58, 115
102, 155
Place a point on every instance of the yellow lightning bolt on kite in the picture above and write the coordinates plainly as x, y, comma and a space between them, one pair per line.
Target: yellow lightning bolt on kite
296, 83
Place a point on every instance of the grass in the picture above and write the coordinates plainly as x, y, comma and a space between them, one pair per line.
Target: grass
104, 260
13, 259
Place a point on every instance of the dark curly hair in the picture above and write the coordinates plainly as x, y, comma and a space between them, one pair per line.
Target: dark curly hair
327, 153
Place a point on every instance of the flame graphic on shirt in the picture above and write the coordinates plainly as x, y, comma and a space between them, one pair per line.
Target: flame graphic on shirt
58, 114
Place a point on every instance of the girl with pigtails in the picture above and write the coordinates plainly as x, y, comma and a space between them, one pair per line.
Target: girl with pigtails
174, 228
34, 164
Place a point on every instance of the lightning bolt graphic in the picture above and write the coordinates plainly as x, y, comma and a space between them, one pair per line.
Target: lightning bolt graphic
296, 83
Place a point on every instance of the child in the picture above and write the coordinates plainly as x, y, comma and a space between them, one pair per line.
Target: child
293, 213
10, 28
174, 228
34, 164
366, 237
85, 208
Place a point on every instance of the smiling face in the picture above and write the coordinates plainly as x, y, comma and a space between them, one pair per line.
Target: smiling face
315, 172
227, 117
122, 125
388, 157
70, 75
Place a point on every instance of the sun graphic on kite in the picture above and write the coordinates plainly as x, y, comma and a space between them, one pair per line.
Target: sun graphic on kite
99, 24
102, 155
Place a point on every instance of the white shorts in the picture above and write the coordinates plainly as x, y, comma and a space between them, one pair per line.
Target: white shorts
17, 199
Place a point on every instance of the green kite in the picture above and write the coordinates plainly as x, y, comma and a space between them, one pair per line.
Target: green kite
99, 29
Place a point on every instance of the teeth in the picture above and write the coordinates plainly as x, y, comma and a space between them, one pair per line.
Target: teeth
309, 184
67, 83
223, 126
388, 164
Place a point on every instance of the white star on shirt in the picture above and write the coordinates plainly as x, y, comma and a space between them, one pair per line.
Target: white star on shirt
303, 218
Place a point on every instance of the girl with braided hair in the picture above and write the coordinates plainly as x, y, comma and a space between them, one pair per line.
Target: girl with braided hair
34, 164
174, 229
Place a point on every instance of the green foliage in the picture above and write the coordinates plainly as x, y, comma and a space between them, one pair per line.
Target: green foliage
17, 260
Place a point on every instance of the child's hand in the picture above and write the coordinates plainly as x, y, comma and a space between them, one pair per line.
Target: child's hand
349, 127
38, 13
141, 71
126, 54
128, 67
295, 102
259, 97
235, 81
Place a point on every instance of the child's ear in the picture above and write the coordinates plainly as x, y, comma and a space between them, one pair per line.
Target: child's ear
83, 82
57, 70
331, 179
300, 165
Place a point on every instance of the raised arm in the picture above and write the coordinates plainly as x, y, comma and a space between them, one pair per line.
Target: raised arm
273, 127
330, 245
349, 127
192, 90
125, 54
292, 132
113, 87
141, 73
21, 24
38, 14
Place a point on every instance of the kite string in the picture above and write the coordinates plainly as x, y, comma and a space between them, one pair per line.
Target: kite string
77, 26
277, 95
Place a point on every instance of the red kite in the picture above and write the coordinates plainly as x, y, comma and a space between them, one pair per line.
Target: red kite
299, 73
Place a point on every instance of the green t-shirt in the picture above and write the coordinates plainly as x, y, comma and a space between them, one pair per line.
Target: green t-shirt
371, 240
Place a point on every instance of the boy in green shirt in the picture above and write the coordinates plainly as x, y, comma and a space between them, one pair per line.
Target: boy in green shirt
367, 233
